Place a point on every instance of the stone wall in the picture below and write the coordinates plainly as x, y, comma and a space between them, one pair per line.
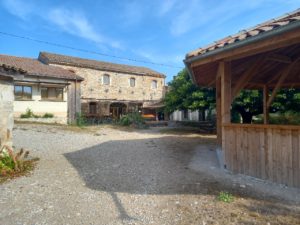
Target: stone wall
119, 88
6, 112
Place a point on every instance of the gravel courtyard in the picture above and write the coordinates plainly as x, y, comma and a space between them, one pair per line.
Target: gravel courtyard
103, 175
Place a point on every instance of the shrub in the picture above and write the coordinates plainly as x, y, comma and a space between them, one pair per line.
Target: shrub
80, 120
48, 115
13, 164
27, 114
225, 197
287, 118
133, 119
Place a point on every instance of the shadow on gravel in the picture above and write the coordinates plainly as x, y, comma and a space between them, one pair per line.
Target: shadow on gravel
146, 166
158, 166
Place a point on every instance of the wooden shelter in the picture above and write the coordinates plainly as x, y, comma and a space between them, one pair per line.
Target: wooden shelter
265, 57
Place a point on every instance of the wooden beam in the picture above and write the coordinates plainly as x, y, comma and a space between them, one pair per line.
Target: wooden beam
281, 79
278, 41
225, 71
280, 58
225, 75
265, 104
218, 109
247, 76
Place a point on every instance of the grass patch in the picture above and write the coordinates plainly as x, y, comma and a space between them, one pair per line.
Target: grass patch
14, 164
225, 197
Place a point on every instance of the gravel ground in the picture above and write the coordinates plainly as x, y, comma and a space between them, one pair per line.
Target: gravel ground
102, 175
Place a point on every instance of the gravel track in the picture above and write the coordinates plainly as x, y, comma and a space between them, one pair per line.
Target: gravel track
102, 175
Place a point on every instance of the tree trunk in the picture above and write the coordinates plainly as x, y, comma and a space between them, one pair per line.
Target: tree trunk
246, 116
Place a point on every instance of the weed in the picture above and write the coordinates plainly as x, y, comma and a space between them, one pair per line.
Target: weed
48, 115
225, 197
133, 119
28, 114
80, 120
14, 164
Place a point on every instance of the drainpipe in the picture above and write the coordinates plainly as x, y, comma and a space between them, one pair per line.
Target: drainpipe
75, 97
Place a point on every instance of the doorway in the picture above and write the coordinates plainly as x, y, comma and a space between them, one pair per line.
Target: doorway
117, 110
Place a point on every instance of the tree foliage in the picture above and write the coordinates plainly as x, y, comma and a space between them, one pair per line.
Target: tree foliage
249, 103
183, 94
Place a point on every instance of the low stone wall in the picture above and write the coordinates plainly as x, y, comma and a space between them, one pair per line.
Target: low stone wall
6, 112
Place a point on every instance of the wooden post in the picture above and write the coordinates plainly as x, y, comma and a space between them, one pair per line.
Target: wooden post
225, 74
218, 109
265, 102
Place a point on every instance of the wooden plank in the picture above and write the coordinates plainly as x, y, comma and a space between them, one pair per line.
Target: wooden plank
226, 148
267, 126
289, 157
234, 151
270, 154
284, 156
262, 154
247, 145
296, 158
240, 150
277, 156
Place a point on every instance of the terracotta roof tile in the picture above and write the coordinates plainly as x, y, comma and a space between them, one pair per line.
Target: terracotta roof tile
51, 58
243, 35
34, 67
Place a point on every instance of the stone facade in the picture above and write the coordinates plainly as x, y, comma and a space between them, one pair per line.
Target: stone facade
118, 90
6, 111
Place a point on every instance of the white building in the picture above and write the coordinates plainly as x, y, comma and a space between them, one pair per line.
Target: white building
44, 89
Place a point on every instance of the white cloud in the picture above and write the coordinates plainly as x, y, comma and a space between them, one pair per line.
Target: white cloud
198, 12
18, 8
73, 22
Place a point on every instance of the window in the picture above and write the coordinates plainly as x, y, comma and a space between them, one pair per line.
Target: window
92, 108
154, 84
132, 82
106, 79
23, 92
52, 93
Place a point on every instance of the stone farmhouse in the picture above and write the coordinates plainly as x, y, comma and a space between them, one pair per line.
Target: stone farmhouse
42, 88
111, 90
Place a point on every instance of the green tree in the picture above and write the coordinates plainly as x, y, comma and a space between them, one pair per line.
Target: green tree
183, 94
249, 103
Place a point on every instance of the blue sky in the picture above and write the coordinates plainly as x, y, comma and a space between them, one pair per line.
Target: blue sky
161, 31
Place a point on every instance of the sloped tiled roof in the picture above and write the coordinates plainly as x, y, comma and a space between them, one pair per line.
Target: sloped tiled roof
245, 34
29, 66
51, 58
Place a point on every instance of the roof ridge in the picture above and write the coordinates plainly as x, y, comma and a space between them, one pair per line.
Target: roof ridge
242, 35
63, 59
